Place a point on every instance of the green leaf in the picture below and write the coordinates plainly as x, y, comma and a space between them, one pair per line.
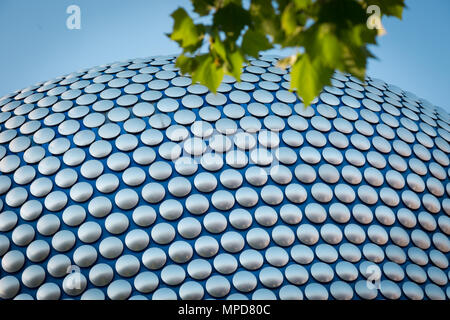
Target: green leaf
231, 19
309, 78
302, 4
236, 60
208, 74
342, 13
253, 42
203, 7
331, 34
219, 48
355, 52
187, 64
355, 60
321, 42
185, 32
288, 22
331, 49
232, 61
389, 7
202, 69
264, 17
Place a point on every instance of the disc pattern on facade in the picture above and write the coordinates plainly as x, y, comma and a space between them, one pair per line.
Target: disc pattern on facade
128, 181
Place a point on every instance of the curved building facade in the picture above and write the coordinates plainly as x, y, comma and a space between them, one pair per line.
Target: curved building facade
127, 181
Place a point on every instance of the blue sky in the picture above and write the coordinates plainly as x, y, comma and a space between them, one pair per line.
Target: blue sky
36, 45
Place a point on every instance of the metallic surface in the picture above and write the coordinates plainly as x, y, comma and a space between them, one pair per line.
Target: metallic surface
127, 181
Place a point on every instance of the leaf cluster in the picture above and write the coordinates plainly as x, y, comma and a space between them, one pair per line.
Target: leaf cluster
329, 35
